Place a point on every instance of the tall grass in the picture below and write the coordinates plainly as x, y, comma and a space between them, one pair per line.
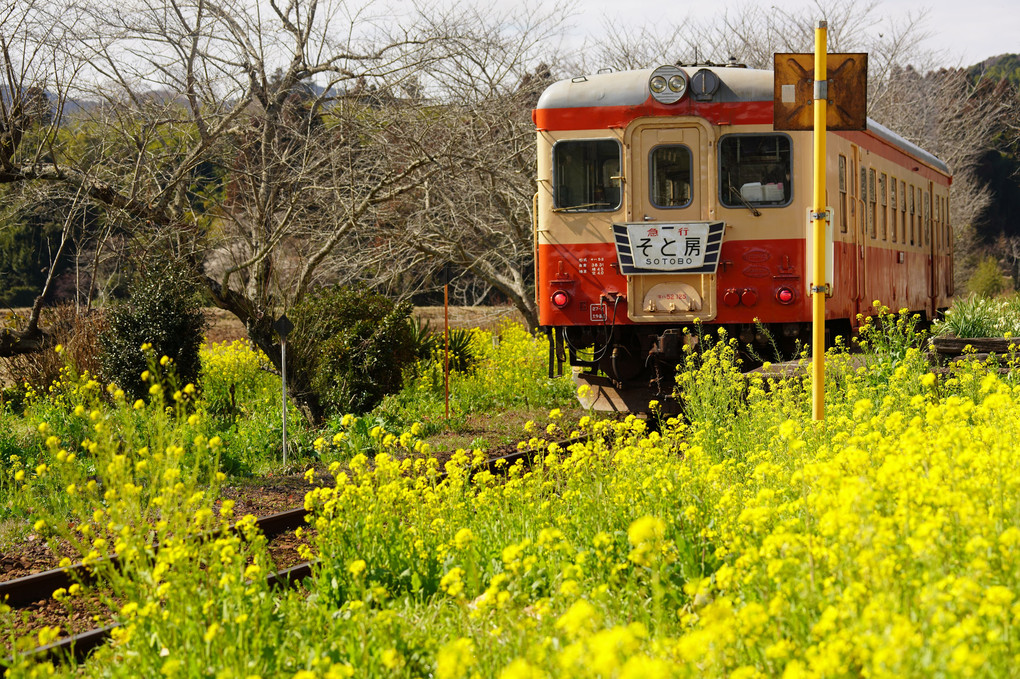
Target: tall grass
508, 370
976, 316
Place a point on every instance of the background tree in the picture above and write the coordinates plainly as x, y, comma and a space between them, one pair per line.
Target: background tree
188, 92
38, 69
474, 212
279, 148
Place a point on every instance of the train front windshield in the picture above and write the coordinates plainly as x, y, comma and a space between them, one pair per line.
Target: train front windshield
587, 175
755, 169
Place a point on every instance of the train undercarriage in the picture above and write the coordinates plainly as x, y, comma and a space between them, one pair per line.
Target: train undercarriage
626, 366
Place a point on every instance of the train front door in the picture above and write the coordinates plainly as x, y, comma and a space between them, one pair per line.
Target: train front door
668, 185
669, 165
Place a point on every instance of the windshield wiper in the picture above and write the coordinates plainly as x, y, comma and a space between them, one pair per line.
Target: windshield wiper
582, 208
754, 211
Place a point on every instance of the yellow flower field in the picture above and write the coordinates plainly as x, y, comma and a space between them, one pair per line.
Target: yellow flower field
743, 540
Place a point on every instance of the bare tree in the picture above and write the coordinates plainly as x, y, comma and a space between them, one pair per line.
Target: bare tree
231, 134
476, 212
958, 120
751, 33
37, 72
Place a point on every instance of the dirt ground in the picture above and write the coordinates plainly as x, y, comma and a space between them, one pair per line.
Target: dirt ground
224, 327
485, 317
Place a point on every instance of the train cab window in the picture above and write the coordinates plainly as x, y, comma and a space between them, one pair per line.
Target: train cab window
755, 170
586, 175
671, 176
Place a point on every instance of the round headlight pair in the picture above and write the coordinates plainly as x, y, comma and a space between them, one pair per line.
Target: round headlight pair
668, 84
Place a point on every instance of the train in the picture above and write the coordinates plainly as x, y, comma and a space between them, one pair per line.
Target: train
668, 207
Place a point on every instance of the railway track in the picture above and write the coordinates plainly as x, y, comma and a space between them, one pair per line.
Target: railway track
30, 589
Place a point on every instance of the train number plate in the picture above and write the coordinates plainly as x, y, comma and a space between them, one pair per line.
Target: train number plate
668, 247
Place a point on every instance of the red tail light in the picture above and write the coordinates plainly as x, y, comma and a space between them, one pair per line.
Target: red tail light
785, 295
560, 299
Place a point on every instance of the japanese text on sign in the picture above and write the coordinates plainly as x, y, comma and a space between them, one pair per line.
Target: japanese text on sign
668, 247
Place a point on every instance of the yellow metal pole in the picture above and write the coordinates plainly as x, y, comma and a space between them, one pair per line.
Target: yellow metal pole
818, 285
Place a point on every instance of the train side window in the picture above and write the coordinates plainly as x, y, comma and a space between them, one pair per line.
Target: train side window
586, 175
912, 212
755, 169
892, 207
903, 212
842, 194
941, 219
872, 205
921, 214
852, 184
671, 176
927, 219
949, 226
883, 197
945, 222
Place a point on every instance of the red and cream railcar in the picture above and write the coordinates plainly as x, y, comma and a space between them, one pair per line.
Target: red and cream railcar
666, 196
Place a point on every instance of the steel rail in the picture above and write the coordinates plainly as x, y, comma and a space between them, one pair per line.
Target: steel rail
79, 646
29, 589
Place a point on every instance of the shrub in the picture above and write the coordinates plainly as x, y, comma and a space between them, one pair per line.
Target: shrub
422, 338
462, 354
234, 383
243, 401
76, 330
988, 279
162, 310
431, 345
348, 349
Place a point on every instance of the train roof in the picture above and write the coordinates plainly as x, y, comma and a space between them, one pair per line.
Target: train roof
736, 84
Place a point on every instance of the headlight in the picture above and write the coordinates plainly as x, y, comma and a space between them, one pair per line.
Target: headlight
668, 84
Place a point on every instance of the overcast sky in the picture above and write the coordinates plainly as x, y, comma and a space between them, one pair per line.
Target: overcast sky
966, 31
